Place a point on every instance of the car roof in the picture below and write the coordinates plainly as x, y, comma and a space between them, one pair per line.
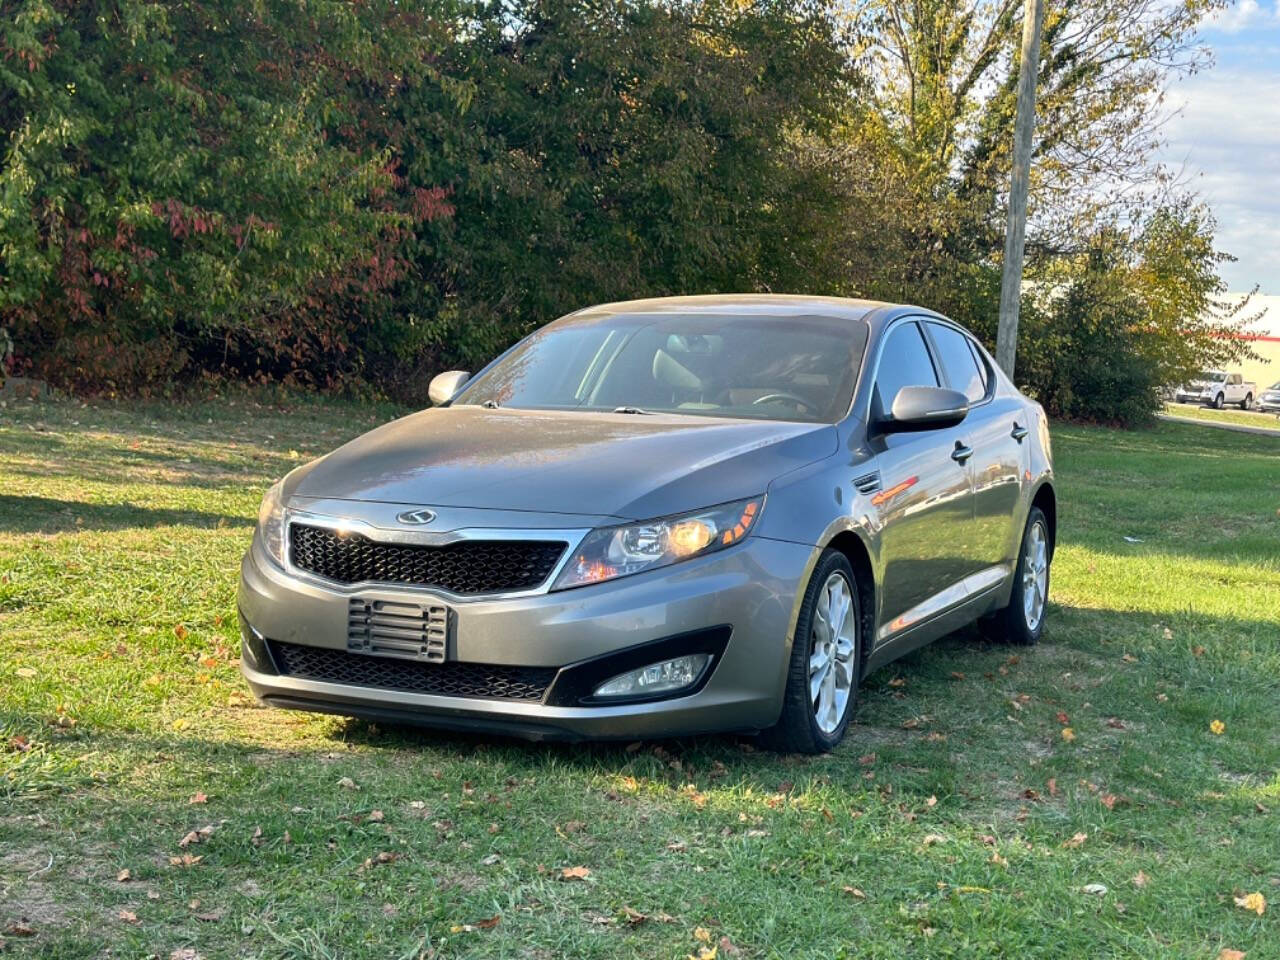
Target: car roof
874, 312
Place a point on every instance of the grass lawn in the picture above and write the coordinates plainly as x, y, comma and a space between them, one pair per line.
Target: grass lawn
1244, 418
149, 808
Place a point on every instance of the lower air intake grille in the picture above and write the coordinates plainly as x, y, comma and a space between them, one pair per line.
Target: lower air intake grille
466, 567
451, 679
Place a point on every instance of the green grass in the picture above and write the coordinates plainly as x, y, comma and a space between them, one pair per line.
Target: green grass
1244, 418
951, 807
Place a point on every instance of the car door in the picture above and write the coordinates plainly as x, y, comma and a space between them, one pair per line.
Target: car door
997, 428
924, 507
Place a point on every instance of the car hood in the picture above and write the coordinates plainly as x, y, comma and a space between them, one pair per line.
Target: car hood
571, 462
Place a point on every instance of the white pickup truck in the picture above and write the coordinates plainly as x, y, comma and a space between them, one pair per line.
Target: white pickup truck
1217, 389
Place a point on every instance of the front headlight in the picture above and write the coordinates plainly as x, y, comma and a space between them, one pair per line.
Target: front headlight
635, 547
271, 523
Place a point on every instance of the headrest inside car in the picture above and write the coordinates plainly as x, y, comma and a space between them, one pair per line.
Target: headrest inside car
670, 371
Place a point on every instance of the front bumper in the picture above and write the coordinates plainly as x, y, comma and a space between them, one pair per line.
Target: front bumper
740, 604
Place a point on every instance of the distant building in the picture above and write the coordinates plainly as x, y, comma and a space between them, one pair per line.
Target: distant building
1264, 339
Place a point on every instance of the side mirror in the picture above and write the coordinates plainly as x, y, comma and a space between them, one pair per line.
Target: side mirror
445, 386
924, 408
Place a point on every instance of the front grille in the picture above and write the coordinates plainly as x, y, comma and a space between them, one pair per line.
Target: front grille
451, 679
465, 567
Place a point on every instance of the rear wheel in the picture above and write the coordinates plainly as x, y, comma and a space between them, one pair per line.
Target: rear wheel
825, 665
1022, 621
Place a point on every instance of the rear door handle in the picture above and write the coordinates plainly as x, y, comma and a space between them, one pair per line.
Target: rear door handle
1019, 431
961, 453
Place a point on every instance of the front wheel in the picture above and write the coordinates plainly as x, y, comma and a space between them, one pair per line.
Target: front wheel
825, 665
1022, 621
1218, 402
1247, 402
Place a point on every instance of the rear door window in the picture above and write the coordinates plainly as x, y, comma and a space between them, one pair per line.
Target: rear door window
958, 361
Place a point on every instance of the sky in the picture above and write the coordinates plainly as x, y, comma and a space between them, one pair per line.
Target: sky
1225, 139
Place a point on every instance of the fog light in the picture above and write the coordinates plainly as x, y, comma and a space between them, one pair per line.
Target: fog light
663, 677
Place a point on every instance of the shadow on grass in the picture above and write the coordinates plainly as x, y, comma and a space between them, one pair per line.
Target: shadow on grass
29, 514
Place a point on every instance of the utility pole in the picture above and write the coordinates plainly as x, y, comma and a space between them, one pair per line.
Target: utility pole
1015, 234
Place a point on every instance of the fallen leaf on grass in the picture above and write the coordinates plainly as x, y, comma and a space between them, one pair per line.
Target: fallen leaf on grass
186, 860
376, 816
185, 953
1217, 728
1062, 718
1253, 901
490, 860
20, 929
998, 860
180, 631
478, 925
1226, 953
128, 916
934, 838
209, 917
574, 873
1076, 840
1115, 723
1108, 800
898, 682
957, 675
347, 784
196, 836
1129, 658
26, 673
1094, 889
634, 917
1053, 787
855, 892
704, 953
124, 876
867, 759
727, 947
1140, 879
702, 934
198, 797
379, 859
1068, 734
1197, 651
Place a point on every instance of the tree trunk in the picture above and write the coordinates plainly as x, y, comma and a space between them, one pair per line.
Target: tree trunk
1015, 234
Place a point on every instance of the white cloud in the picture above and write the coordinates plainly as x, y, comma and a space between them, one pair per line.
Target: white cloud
1245, 14
1227, 140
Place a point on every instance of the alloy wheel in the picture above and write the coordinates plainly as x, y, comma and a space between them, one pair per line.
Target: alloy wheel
832, 649
1035, 576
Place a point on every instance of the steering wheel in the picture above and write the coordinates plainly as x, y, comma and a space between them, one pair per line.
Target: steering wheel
787, 397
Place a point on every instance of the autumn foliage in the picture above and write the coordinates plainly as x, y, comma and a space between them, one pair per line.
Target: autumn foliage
340, 193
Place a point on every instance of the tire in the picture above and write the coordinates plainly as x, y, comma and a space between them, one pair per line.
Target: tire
1015, 624
1247, 402
798, 729
1217, 402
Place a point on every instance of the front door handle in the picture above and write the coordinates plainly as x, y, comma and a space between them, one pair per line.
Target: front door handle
1019, 431
961, 453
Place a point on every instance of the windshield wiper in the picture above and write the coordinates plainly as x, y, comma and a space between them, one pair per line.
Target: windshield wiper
635, 410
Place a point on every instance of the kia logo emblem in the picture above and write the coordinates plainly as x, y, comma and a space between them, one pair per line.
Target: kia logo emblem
416, 516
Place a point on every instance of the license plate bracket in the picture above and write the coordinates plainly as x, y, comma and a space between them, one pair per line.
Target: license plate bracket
398, 628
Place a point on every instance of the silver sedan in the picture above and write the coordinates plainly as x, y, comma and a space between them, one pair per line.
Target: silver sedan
657, 518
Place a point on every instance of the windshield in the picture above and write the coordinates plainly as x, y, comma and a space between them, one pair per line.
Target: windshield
1275, 386
1213, 376
773, 368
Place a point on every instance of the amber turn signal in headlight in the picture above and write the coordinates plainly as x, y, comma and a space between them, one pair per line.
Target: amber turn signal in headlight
611, 552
